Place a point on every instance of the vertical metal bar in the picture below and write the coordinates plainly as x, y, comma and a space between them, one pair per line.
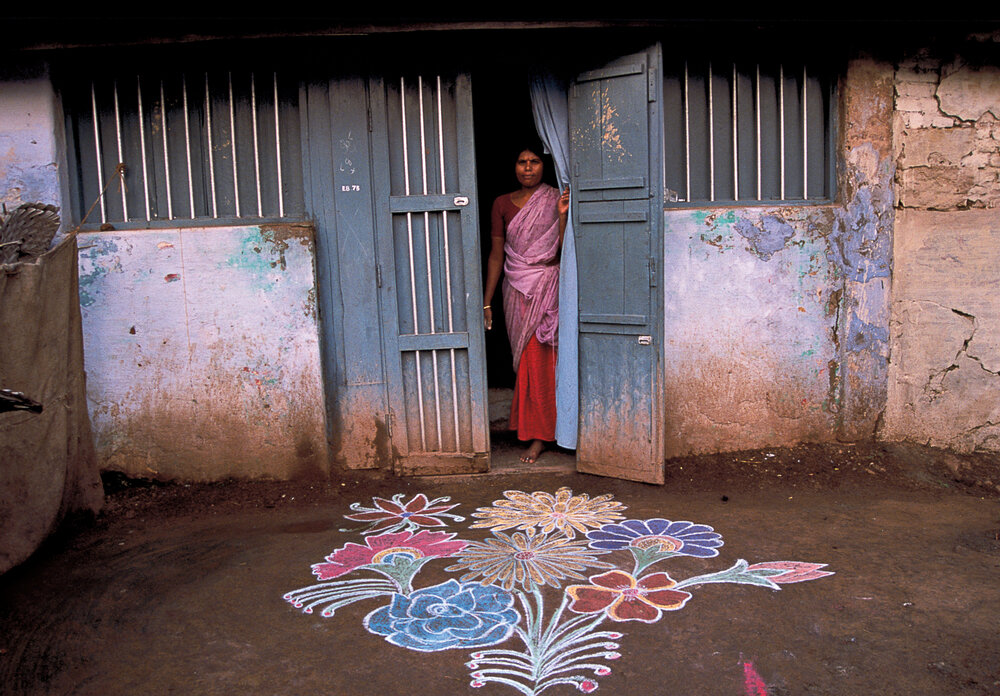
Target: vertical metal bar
757, 125
736, 151
121, 154
423, 144
166, 151
427, 253
187, 144
781, 121
447, 267
413, 276
805, 138
687, 136
97, 151
232, 145
711, 137
277, 147
256, 152
142, 146
211, 149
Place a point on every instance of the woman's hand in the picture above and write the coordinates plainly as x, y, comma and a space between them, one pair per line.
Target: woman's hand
563, 205
488, 317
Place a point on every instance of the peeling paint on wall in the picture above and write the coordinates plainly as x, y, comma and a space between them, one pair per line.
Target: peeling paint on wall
862, 235
201, 363
766, 237
748, 328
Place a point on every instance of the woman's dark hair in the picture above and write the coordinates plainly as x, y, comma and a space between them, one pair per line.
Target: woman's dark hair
533, 144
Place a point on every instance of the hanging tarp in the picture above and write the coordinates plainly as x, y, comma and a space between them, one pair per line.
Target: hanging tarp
47, 464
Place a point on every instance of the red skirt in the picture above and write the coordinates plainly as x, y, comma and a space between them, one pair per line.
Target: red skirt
533, 409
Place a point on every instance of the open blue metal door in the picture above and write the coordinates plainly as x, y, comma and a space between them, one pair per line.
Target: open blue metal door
429, 273
616, 140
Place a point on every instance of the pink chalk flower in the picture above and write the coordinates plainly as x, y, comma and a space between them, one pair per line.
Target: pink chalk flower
396, 514
385, 548
784, 572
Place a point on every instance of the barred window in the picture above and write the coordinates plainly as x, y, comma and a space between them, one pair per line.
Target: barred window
737, 131
190, 144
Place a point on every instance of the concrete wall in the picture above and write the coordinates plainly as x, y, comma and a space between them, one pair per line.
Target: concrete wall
944, 386
30, 136
776, 326
751, 302
202, 350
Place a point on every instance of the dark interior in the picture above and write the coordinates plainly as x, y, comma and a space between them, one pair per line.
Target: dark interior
503, 121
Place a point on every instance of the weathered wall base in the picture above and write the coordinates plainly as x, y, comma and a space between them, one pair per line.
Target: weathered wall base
202, 350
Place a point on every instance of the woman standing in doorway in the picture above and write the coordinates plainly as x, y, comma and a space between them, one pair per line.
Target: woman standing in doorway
527, 233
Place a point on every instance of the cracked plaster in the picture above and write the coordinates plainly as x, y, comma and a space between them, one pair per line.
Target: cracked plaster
944, 386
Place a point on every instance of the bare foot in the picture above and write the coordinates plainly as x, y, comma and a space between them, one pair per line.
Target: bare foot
533, 452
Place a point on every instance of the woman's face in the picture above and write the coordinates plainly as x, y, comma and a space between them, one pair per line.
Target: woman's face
528, 169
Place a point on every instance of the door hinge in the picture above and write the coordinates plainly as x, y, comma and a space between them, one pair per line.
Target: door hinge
652, 272
369, 112
378, 275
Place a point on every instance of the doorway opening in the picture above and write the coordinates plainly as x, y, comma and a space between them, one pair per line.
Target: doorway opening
503, 123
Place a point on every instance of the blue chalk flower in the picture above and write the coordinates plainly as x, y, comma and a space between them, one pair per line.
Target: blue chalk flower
449, 615
659, 535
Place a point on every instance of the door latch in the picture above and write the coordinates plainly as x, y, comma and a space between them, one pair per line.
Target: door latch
645, 340
461, 201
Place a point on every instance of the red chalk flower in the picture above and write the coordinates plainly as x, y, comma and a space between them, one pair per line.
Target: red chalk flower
384, 548
587, 686
784, 572
393, 515
625, 598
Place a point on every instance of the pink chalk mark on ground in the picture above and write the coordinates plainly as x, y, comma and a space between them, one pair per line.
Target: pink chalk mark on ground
753, 684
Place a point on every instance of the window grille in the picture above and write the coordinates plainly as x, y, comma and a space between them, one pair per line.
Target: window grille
194, 145
747, 132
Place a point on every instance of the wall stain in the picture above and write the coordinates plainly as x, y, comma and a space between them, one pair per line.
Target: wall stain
766, 237
309, 307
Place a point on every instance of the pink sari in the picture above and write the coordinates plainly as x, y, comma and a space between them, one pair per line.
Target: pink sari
531, 272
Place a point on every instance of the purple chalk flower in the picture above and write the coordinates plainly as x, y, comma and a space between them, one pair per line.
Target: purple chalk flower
660, 535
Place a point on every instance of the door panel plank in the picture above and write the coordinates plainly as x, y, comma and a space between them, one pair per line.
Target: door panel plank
339, 197
616, 130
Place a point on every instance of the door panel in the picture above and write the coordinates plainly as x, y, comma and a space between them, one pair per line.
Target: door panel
429, 261
616, 132
338, 197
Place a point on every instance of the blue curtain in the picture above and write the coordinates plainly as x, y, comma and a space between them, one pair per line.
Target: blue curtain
551, 112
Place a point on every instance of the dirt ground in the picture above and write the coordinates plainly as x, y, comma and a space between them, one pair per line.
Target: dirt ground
178, 589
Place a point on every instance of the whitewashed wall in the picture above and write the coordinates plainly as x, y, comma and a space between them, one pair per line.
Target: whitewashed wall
202, 352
